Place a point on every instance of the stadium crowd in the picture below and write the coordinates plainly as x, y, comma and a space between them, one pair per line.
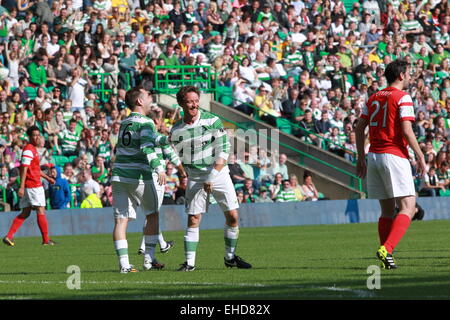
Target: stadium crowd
312, 63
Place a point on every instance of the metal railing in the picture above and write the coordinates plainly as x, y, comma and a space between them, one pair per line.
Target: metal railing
355, 181
103, 92
324, 141
169, 79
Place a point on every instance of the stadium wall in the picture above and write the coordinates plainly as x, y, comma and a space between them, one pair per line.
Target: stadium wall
97, 221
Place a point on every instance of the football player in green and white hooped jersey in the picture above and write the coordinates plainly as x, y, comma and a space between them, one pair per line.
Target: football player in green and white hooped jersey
163, 153
131, 181
203, 146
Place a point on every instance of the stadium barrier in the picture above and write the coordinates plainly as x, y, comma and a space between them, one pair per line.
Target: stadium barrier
173, 217
305, 159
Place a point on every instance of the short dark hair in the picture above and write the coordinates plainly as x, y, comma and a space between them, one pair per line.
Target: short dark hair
22, 80
31, 129
132, 95
181, 94
394, 69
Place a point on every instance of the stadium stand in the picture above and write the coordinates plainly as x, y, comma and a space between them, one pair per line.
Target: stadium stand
271, 61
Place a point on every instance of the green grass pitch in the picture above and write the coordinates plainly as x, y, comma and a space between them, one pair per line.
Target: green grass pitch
299, 262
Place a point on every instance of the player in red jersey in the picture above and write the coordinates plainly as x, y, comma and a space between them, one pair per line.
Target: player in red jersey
389, 114
31, 191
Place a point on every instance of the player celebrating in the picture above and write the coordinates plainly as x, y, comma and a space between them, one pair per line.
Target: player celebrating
132, 178
31, 191
202, 144
389, 113
163, 153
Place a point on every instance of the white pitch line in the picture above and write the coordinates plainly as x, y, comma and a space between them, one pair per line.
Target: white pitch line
358, 293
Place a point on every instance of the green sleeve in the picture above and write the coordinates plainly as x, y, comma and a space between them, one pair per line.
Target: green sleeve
169, 153
150, 139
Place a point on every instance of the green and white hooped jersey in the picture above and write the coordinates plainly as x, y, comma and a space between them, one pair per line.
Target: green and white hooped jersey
136, 158
167, 153
198, 145
69, 140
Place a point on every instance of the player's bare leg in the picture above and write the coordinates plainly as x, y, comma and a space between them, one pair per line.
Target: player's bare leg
121, 244
151, 231
16, 224
231, 235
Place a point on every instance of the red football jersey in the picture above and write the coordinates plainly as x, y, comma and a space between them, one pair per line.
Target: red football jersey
385, 111
30, 159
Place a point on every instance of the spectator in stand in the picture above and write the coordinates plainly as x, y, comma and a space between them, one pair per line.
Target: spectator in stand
431, 186
276, 186
69, 139
243, 96
236, 173
263, 196
350, 147
172, 182
87, 183
309, 189
265, 106
286, 194
311, 129
319, 44
290, 104
92, 199
59, 192
296, 187
38, 75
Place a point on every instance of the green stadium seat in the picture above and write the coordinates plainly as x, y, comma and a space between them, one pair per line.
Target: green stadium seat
238, 186
59, 160
284, 125
350, 79
348, 4
32, 92
226, 100
225, 95
48, 89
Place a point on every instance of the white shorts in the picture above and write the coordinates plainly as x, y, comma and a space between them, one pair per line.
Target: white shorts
222, 191
159, 189
33, 197
128, 197
389, 176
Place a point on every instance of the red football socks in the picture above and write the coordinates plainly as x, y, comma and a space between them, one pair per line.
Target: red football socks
17, 223
398, 230
43, 226
384, 228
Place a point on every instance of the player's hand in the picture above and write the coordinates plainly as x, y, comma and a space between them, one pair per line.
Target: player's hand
207, 186
422, 167
51, 180
183, 173
21, 192
361, 168
162, 178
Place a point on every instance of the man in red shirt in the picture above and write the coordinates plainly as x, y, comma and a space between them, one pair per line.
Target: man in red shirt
31, 191
389, 114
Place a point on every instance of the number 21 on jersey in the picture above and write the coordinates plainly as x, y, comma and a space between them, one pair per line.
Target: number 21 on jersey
376, 104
